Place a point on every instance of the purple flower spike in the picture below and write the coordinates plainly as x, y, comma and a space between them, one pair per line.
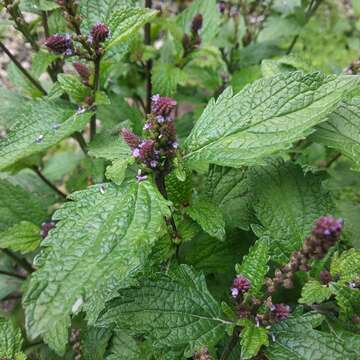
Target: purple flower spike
328, 226
162, 106
130, 138
59, 44
99, 33
281, 311
240, 285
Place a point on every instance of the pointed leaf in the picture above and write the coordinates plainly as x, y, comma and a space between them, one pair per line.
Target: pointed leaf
208, 216
252, 339
73, 87
175, 311
254, 266
102, 238
10, 340
346, 265
265, 117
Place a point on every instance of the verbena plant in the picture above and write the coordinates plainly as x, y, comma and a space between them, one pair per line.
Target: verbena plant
150, 211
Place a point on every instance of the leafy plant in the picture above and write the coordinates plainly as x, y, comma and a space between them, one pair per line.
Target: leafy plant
179, 180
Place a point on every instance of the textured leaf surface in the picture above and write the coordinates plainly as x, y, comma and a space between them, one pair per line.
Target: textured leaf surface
166, 78
109, 146
348, 300
296, 340
254, 266
265, 117
208, 216
287, 204
126, 21
93, 11
42, 124
94, 343
23, 237
17, 205
103, 237
252, 339
342, 130
10, 340
228, 188
8, 285
346, 265
73, 87
174, 310
314, 292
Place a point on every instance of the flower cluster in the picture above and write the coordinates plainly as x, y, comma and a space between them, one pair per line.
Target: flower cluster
280, 311
240, 285
159, 147
193, 41
60, 44
326, 232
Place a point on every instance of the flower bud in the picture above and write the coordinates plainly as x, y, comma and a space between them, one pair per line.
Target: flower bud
280, 311
46, 227
197, 23
99, 33
162, 105
325, 277
240, 285
60, 44
130, 138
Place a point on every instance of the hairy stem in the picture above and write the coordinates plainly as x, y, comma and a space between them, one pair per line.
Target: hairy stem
95, 88
9, 273
148, 67
20, 261
48, 182
22, 69
232, 343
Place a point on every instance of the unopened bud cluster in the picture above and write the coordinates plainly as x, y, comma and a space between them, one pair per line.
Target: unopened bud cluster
159, 147
46, 227
240, 286
202, 355
193, 40
326, 232
75, 343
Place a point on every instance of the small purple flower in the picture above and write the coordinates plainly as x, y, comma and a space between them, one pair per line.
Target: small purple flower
136, 153
241, 284
160, 119
153, 163
147, 126
175, 145
140, 177
328, 226
234, 292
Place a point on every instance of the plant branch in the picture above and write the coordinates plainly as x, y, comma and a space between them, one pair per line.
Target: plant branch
20, 261
48, 182
148, 67
232, 343
22, 69
9, 273
313, 6
81, 141
95, 88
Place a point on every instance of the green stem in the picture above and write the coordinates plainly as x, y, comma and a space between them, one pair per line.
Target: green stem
48, 182
95, 89
20, 261
231, 344
9, 273
22, 69
148, 68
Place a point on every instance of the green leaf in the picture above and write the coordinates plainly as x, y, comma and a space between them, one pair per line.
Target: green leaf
93, 11
102, 238
253, 337
228, 188
43, 124
342, 131
94, 343
295, 339
126, 21
346, 265
101, 98
179, 190
348, 300
166, 78
175, 310
116, 171
8, 285
17, 205
109, 146
23, 237
287, 204
40, 62
74, 87
208, 216
10, 339
211, 18
267, 116
254, 266
314, 292
245, 76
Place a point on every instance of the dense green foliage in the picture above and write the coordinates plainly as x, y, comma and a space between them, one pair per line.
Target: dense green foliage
180, 180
